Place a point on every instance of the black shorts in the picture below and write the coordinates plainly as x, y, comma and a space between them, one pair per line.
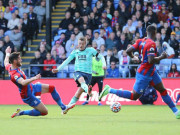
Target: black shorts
87, 77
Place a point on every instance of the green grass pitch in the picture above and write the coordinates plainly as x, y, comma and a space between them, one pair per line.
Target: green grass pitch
91, 120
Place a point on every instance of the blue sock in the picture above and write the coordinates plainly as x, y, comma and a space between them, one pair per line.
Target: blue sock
57, 98
122, 93
178, 96
31, 112
167, 99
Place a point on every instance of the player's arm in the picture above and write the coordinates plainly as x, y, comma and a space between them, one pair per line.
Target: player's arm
130, 51
8, 52
66, 62
153, 60
25, 82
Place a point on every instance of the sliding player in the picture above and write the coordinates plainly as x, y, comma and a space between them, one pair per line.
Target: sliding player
146, 73
83, 68
29, 91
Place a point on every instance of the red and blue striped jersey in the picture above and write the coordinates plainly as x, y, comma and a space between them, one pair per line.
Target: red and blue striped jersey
146, 47
15, 75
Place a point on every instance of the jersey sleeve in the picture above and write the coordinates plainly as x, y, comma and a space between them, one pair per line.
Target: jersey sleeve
94, 52
136, 45
8, 67
151, 49
16, 77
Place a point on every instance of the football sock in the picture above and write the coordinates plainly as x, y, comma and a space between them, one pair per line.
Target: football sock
178, 96
73, 100
84, 87
56, 97
33, 112
122, 93
87, 99
166, 98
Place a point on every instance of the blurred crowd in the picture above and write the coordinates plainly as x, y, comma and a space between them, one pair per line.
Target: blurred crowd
113, 25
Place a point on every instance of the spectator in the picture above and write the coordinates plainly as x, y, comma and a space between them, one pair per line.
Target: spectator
71, 44
42, 51
69, 31
56, 57
2, 8
133, 61
152, 16
113, 71
123, 42
7, 13
17, 3
123, 62
159, 48
62, 39
59, 49
85, 10
47, 70
163, 14
109, 58
115, 52
115, 18
73, 8
104, 17
110, 6
103, 33
16, 38
40, 11
123, 14
23, 9
164, 37
33, 24
146, 22
37, 60
77, 33
77, 20
47, 47
12, 6
13, 22
111, 41
107, 29
149, 96
169, 50
63, 58
174, 44
130, 27
1, 62
134, 21
1, 34
167, 29
173, 71
93, 21
3, 22
17, 13
99, 40
7, 43
140, 29
176, 8
102, 50
155, 6
99, 8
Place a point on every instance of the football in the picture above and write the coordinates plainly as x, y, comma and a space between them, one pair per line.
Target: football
115, 107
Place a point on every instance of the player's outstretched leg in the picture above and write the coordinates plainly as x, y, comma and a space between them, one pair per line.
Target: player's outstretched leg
167, 99
121, 93
39, 110
178, 97
56, 97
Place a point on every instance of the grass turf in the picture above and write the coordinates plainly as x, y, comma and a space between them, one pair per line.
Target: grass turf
91, 120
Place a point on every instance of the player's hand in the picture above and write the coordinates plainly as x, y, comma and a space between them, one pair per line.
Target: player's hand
104, 67
37, 77
54, 70
164, 55
8, 50
135, 58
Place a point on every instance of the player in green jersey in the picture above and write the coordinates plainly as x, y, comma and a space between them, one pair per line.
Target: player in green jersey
83, 67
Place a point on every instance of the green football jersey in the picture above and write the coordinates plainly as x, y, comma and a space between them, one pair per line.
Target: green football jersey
83, 60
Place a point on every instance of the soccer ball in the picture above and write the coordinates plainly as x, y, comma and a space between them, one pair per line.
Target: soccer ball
115, 107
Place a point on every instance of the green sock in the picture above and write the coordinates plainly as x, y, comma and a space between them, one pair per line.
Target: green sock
73, 100
84, 87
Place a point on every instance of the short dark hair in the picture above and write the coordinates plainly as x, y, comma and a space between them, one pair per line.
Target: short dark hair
151, 30
14, 56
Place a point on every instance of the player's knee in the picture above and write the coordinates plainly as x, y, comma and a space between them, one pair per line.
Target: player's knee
51, 88
163, 92
135, 96
45, 112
